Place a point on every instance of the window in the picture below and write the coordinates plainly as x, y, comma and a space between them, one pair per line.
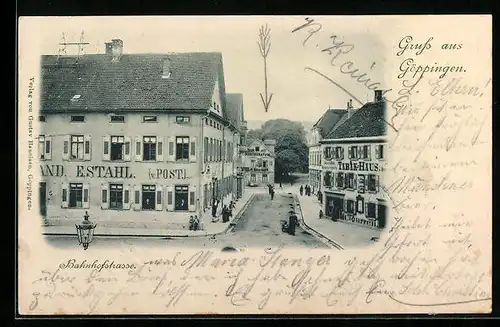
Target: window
264, 178
75, 119
253, 178
41, 118
328, 178
117, 119
205, 149
149, 119
149, 147
350, 180
350, 206
353, 152
75, 195
371, 184
181, 197
252, 163
148, 197
365, 152
338, 152
117, 147
116, 196
379, 151
44, 147
360, 204
257, 149
328, 152
370, 210
182, 119
77, 145
340, 180
211, 123
264, 164
182, 148
75, 98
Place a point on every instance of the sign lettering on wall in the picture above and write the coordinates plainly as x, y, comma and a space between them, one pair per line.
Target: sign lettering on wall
104, 171
167, 173
52, 170
359, 166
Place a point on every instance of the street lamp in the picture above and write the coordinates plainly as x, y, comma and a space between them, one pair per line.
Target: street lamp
85, 231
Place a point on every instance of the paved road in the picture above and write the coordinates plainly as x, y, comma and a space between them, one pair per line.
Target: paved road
259, 227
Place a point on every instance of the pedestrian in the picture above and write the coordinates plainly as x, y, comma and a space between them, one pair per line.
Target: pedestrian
196, 223
191, 223
320, 197
321, 215
281, 185
301, 189
308, 190
272, 194
225, 214
292, 222
214, 208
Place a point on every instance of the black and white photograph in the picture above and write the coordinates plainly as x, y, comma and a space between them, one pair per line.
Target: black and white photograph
254, 164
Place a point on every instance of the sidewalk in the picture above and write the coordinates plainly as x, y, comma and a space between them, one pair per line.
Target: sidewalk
345, 234
211, 228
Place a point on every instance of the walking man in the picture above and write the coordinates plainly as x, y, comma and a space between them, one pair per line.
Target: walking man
272, 193
292, 222
301, 190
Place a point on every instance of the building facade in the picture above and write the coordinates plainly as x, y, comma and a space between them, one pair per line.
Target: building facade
318, 131
258, 163
354, 161
136, 140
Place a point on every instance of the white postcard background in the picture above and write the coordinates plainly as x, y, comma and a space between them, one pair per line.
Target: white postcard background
450, 271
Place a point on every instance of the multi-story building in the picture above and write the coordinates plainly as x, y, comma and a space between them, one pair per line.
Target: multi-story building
258, 163
318, 131
354, 161
136, 140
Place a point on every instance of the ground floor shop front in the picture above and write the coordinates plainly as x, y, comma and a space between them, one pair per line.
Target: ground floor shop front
366, 210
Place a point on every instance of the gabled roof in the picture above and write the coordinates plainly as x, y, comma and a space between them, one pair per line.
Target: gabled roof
234, 106
366, 121
328, 120
133, 83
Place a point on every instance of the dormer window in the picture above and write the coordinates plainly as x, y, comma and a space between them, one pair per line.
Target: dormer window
167, 71
75, 97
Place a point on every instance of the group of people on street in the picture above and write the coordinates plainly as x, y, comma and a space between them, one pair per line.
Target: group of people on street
226, 212
305, 190
194, 223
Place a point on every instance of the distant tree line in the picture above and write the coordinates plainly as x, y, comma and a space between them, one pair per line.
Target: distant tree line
292, 154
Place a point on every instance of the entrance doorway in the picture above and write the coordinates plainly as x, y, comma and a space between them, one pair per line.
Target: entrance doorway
382, 215
181, 197
43, 199
334, 206
148, 197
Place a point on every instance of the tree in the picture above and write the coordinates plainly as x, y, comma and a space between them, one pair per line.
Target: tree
292, 153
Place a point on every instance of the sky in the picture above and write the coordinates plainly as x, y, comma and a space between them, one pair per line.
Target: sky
298, 94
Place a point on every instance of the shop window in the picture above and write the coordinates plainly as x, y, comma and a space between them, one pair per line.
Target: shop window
77, 119
264, 178
253, 178
77, 147
148, 197
360, 204
149, 119
371, 184
182, 119
116, 196
181, 197
379, 151
350, 206
370, 210
350, 181
117, 147
182, 148
149, 147
117, 119
75, 195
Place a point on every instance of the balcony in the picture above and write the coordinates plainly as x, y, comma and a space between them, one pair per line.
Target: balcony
256, 169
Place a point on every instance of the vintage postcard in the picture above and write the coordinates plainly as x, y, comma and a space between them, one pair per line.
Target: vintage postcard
254, 165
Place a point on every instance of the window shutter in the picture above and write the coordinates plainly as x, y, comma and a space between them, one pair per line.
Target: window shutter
159, 197
126, 197
192, 198
64, 195
355, 181
137, 197
377, 182
106, 148
66, 145
171, 149
138, 148
334, 179
192, 150
369, 152
127, 149
366, 209
87, 147
377, 151
104, 196
86, 196
341, 153
360, 152
159, 152
170, 198
47, 149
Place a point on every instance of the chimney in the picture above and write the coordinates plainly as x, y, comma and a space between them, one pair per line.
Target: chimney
349, 108
167, 69
115, 49
378, 96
